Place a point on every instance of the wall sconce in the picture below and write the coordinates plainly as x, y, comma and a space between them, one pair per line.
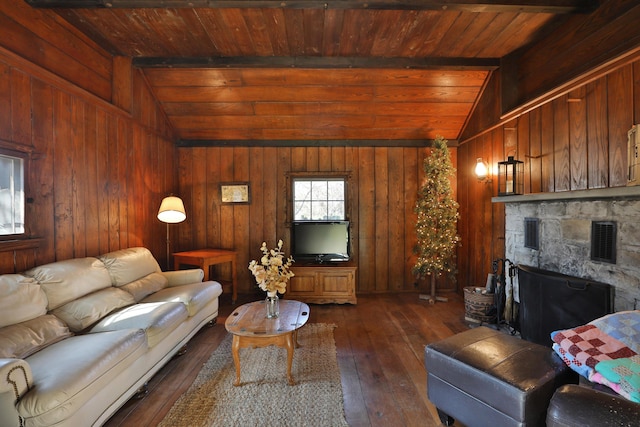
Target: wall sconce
510, 177
482, 171
172, 212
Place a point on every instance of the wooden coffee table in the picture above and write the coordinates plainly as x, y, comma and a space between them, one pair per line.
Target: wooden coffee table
250, 328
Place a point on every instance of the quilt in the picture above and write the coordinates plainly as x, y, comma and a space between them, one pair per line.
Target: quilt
605, 351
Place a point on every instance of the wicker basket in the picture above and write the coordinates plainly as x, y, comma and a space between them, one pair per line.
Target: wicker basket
478, 307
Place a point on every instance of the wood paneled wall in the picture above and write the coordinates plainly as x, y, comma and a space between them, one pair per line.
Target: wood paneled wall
577, 141
580, 49
53, 44
382, 194
96, 172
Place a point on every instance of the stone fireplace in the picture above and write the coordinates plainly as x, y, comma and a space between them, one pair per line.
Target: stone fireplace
564, 236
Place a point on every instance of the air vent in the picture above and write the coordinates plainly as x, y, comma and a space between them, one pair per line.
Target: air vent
531, 233
603, 241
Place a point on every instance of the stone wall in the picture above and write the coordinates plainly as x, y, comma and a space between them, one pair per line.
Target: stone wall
565, 242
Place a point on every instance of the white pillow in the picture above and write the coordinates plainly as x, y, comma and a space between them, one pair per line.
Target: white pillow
128, 265
64, 281
87, 310
21, 299
25, 338
146, 286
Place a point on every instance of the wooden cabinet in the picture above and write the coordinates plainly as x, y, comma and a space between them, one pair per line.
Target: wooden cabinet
323, 284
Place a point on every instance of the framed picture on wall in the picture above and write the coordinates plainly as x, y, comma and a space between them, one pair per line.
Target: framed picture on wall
235, 192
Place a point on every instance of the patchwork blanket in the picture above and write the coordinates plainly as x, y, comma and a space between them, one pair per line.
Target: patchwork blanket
605, 351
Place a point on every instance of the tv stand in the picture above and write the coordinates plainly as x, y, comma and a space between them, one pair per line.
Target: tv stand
323, 283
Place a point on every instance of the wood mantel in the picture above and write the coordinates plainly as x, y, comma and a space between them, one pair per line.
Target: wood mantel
593, 194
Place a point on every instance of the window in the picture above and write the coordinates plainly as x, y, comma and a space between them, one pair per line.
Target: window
12, 193
319, 199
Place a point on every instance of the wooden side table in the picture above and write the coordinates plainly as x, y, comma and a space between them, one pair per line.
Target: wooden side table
205, 258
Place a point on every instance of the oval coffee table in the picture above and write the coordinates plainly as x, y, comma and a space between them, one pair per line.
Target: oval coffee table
250, 328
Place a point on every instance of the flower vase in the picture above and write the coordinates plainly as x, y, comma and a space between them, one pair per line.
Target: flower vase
272, 306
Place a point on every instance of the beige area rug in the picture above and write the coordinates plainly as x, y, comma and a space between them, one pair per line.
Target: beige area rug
265, 398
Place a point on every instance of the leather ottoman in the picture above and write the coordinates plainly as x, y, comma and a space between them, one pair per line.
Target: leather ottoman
483, 377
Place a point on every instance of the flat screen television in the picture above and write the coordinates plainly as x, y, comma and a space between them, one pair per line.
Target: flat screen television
320, 241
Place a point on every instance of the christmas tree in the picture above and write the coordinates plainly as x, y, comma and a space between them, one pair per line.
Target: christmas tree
437, 223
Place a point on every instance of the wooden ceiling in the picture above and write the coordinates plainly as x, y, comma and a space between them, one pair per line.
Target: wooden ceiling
246, 70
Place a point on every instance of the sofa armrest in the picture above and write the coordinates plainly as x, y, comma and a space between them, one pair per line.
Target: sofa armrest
15, 377
184, 277
574, 405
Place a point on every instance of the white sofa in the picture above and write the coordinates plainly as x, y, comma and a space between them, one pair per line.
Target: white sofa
79, 337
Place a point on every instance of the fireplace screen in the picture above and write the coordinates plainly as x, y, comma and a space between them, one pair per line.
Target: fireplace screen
550, 301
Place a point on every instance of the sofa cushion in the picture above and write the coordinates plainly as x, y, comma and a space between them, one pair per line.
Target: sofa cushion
64, 281
21, 299
193, 296
87, 310
23, 339
184, 277
128, 265
60, 387
157, 320
147, 285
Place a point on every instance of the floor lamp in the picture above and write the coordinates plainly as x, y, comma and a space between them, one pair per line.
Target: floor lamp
172, 212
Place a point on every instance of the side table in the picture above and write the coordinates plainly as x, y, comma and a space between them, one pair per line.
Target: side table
205, 258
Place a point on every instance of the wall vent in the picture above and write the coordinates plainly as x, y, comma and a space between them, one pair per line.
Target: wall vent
531, 233
603, 241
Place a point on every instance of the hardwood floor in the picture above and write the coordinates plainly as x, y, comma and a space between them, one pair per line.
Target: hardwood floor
380, 349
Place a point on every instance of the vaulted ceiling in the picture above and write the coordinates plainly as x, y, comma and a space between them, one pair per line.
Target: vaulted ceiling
248, 70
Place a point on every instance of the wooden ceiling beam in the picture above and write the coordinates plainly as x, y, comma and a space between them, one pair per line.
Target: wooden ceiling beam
528, 6
321, 62
310, 143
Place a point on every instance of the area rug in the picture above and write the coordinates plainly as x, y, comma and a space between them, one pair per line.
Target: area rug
265, 398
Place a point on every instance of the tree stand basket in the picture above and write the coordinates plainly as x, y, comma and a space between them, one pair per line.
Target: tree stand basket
479, 307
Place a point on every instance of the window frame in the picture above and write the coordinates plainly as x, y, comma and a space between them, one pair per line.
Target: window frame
317, 176
319, 206
25, 156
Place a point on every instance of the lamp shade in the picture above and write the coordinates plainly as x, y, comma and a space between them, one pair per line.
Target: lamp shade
172, 210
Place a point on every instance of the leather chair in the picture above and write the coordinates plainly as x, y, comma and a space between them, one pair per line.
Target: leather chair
580, 406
